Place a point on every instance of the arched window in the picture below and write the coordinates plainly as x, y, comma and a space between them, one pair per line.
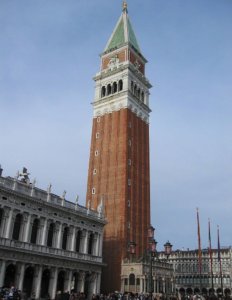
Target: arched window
132, 279
90, 243
115, 87
103, 91
60, 281
10, 275
17, 227
132, 86
28, 280
50, 234
34, 231
138, 93
109, 89
135, 89
78, 241
142, 97
120, 85
1, 216
65, 238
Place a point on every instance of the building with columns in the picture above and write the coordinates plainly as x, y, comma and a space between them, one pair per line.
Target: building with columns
186, 271
47, 244
135, 277
119, 172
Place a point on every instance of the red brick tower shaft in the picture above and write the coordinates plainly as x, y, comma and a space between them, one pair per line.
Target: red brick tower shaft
119, 156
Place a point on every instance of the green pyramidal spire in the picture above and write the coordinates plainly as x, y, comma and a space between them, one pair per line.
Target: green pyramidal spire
123, 33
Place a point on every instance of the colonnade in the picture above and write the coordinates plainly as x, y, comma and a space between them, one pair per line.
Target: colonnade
39, 281
45, 231
140, 284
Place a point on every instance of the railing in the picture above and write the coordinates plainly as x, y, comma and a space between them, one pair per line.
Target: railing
47, 250
42, 195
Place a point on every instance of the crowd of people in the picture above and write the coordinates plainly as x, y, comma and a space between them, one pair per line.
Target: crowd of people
15, 294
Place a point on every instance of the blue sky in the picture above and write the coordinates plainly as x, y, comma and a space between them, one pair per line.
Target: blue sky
49, 52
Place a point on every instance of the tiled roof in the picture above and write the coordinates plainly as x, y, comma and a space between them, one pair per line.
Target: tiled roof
123, 33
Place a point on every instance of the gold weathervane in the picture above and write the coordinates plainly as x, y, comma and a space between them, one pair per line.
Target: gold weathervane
124, 6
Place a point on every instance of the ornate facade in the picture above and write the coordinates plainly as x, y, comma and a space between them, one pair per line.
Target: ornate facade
136, 276
119, 156
47, 243
187, 277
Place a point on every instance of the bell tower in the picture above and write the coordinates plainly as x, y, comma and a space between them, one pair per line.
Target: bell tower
118, 172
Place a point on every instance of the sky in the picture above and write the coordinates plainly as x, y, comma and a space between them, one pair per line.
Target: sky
49, 53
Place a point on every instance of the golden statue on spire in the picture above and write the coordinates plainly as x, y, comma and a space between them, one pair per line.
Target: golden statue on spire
124, 6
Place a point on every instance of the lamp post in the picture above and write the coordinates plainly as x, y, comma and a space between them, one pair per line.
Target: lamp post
152, 251
131, 249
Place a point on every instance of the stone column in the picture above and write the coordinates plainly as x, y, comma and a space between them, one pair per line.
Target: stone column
84, 241
44, 229
26, 227
53, 283
98, 283
92, 286
58, 235
95, 245
72, 238
20, 276
2, 272
141, 285
122, 285
8, 218
68, 280
81, 282
164, 288
100, 241
37, 282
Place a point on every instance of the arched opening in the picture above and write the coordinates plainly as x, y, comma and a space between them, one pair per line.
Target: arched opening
160, 285
182, 292
90, 243
189, 291
135, 89
115, 87
60, 281
108, 89
219, 292
138, 95
227, 292
204, 291
132, 279
196, 291
87, 284
17, 227
65, 238
28, 281
50, 234
74, 285
1, 216
142, 97
131, 283
78, 241
211, 291
10, 276
103, 91
34, 231
45, 284
132, 86
120, 85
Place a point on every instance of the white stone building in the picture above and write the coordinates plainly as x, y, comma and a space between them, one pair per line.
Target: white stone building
46, 242
186, 268
136, 276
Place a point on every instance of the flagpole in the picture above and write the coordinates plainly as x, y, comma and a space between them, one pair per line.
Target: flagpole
211, 257
219, 258
199, 249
